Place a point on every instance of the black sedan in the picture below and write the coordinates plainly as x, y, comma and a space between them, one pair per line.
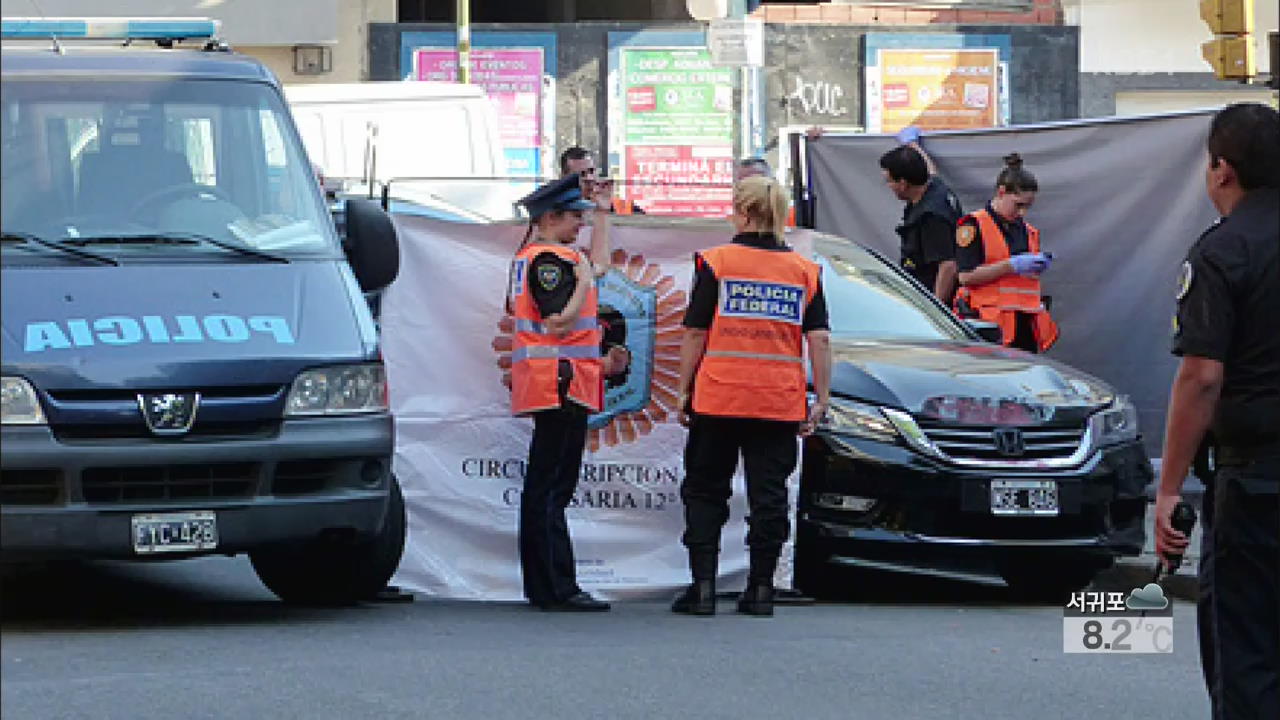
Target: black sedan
949, 454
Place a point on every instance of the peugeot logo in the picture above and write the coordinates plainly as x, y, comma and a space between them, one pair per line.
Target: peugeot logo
1009, 442
169, 413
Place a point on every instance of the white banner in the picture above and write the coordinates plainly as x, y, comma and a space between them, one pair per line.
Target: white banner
460, 455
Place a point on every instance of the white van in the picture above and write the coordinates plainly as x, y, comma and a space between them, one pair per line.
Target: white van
438, 144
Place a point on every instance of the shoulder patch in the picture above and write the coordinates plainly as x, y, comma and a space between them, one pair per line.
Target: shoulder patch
1184, 280
966, 234
549, 275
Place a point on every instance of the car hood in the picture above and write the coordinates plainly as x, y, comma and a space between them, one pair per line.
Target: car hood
962, 382
180, 325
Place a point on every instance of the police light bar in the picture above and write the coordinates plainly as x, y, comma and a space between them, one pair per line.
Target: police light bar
108, 28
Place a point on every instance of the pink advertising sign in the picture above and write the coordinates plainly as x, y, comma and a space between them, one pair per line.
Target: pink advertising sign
513, 79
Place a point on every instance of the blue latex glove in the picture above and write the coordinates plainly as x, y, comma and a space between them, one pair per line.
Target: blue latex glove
909, 134
1029, 263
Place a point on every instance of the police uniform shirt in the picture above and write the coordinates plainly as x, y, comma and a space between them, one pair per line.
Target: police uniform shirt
552, 282
930, 232
1228, 301
970, 253
704, 296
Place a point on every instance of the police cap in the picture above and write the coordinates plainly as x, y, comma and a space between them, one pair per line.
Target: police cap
562, 194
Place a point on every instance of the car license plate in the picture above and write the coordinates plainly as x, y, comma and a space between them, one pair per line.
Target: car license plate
174, 532
1024, 497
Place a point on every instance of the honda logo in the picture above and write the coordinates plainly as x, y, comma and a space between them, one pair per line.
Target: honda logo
169, 413
1009, 442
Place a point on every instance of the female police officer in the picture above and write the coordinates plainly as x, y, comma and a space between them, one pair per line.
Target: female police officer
557, 377
754, 303
999, 259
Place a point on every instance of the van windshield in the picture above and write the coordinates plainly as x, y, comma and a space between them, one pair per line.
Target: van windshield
158, 157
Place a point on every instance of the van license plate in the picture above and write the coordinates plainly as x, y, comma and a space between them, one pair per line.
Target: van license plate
1024, 497
174, 532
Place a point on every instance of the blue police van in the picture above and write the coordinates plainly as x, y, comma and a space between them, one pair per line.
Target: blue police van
189, 362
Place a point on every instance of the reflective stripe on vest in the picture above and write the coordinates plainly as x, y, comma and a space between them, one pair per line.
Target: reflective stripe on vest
537, 353
753, 366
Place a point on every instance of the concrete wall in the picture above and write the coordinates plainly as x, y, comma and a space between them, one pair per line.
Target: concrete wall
1130, 48
813, 72
265, 29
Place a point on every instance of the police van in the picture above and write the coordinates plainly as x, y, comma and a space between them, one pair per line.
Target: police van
189, 362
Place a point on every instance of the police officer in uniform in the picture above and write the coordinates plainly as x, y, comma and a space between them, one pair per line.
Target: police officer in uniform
929, 217
557, 378
1229, 382
742, 384
1000, 263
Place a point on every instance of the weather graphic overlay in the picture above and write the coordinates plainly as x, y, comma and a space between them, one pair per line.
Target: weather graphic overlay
1110, 622
640, 315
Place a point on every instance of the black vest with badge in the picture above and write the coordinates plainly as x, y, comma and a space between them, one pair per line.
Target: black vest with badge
938, 200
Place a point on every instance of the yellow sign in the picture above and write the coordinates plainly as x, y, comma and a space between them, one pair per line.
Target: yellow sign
938, 89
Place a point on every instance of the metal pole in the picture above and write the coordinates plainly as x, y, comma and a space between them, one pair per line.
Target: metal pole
464, 41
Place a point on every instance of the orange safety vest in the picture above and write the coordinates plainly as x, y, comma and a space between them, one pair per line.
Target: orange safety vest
754, 361
622, 206
1000, 301
536, 353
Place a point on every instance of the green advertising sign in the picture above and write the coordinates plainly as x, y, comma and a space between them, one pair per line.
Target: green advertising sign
676, 96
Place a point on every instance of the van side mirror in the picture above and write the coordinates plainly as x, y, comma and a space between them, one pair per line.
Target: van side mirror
371, 245
988, 331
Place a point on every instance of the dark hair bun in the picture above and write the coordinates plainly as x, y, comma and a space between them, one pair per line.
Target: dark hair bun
1013, 161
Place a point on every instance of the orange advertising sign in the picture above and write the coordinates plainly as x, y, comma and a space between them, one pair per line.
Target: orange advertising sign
937, 89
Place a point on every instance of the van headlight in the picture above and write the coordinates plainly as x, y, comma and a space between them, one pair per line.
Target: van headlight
20, 404
847, 417
1118, 423
338, 390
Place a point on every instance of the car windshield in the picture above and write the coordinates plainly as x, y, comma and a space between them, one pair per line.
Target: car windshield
104, 160
867, 299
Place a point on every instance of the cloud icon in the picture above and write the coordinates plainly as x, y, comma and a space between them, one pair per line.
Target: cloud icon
1150, 597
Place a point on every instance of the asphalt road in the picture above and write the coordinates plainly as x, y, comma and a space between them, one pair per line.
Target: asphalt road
202, 639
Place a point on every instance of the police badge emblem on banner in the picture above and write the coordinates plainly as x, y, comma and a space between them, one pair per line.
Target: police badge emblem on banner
460, 455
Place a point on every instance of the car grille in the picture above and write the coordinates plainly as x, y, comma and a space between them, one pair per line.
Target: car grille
302, 477
978, 442
200, 431
34, 486
169, 482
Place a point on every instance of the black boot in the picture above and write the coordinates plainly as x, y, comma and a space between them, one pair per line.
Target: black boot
757, 599
700, 597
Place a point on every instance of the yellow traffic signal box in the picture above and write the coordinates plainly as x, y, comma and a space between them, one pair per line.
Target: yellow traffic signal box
1231, 52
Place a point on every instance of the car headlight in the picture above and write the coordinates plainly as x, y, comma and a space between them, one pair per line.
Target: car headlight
338, 390
847, 417
19, 402
1116, 424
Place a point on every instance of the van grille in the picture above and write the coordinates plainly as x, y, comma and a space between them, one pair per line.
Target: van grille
169, 482
34, 486
978, 442
201, 431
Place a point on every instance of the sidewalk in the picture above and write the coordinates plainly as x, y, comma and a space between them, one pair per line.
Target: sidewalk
1134, 572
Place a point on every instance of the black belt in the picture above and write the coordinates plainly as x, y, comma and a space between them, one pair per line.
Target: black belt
1245, 454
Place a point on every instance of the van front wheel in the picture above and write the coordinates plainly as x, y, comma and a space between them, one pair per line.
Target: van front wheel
335, 572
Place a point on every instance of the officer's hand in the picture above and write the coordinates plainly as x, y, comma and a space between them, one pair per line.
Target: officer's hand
683, 415
603, 194
1028, 263
909, 134
817, 413
582, 270
617, 360
1168, 539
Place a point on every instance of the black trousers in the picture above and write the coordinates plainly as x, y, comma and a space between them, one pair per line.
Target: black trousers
1024, 336
1243, 577
769, 453
555, 459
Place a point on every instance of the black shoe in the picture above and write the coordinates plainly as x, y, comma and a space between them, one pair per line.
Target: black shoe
757, 600
582, 602
697, 599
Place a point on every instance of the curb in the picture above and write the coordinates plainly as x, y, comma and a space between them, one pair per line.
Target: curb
1134, 572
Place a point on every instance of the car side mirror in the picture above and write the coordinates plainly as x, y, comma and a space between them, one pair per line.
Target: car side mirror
371, 245
988, 331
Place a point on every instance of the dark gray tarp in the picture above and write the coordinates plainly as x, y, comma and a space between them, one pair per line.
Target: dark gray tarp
1120, 203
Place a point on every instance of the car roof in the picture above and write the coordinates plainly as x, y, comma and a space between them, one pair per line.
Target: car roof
106, 62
